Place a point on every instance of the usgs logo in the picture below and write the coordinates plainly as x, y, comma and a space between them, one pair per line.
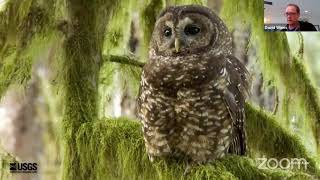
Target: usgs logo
23, 167
284, 163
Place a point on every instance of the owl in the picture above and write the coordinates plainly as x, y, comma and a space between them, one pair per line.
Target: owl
192, 89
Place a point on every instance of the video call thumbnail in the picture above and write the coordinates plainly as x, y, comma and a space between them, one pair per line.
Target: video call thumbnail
291, 15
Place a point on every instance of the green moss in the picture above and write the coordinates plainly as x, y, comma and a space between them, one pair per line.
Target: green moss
80, 88
109, 148
114, 149
83, 47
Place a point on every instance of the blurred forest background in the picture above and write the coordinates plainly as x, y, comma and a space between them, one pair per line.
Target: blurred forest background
69, 77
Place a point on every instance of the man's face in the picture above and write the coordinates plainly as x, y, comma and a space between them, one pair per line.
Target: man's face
292, 15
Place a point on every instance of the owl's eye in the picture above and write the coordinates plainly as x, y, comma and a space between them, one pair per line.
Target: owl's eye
167, 32
191, 30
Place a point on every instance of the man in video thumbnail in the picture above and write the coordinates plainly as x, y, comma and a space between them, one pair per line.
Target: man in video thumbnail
293, 15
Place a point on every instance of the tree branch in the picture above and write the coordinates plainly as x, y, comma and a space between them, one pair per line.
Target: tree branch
125, 59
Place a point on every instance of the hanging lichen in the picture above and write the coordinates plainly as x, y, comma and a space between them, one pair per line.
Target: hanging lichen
26, 32
116, 43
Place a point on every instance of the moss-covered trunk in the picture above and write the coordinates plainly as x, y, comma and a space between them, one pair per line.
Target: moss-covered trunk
82, 57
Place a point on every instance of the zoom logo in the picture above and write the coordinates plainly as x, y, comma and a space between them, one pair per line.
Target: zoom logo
284, 163
23, 167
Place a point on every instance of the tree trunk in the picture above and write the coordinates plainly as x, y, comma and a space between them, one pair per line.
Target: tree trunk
83, 52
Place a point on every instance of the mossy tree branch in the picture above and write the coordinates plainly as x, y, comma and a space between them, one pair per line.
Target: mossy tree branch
265, 135
128, 60
114, 149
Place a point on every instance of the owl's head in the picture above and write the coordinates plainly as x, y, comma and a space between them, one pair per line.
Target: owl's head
189, 30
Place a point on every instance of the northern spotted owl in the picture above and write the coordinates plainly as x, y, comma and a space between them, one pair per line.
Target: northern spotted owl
192, 91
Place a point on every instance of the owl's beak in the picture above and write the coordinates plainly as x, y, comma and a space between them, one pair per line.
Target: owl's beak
177, 44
